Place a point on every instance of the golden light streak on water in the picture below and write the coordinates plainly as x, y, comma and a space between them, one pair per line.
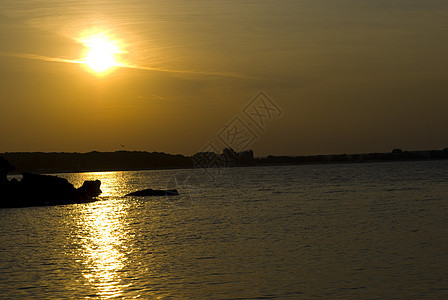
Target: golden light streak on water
103, 247
113, 184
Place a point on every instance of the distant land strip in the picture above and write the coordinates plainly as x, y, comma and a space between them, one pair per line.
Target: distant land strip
59, 162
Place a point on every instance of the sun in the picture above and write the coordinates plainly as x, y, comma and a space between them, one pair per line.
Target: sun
102, 53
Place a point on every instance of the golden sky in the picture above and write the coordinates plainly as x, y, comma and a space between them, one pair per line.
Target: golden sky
349, 76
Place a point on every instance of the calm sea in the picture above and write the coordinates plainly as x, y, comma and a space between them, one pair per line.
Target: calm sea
355, 231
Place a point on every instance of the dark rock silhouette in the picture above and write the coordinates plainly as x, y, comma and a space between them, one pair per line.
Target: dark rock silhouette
5, 168
41, 190
90, 188
151, 192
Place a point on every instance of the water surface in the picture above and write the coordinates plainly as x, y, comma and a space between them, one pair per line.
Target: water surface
355, 231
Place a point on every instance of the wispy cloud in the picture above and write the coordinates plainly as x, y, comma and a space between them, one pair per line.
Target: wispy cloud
41, 57
122, 65
224, 74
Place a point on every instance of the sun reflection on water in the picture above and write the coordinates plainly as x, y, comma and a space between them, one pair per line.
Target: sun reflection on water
108, 246
104, 244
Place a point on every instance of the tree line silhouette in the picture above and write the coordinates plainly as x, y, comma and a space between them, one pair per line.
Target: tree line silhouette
41, 162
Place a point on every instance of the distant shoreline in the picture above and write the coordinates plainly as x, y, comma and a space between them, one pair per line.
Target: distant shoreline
52, 163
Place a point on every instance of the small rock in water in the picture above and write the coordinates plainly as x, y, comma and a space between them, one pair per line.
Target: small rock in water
151, 192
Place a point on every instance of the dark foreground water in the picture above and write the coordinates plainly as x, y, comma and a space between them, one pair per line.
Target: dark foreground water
362, 231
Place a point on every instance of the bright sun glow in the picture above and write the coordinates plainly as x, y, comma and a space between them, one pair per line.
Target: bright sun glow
102, 52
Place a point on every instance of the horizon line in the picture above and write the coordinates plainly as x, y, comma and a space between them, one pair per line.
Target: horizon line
161, 152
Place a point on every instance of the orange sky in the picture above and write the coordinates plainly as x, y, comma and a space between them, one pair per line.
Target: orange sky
348, 76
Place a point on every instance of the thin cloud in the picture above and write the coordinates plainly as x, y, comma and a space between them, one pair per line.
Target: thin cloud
224, 74
41, 57
136, 67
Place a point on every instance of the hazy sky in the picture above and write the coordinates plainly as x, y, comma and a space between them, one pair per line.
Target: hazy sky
349, 76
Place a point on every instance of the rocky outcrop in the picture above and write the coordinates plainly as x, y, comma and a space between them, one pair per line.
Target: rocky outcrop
5, 168
90, 189
151, 192
41, 190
